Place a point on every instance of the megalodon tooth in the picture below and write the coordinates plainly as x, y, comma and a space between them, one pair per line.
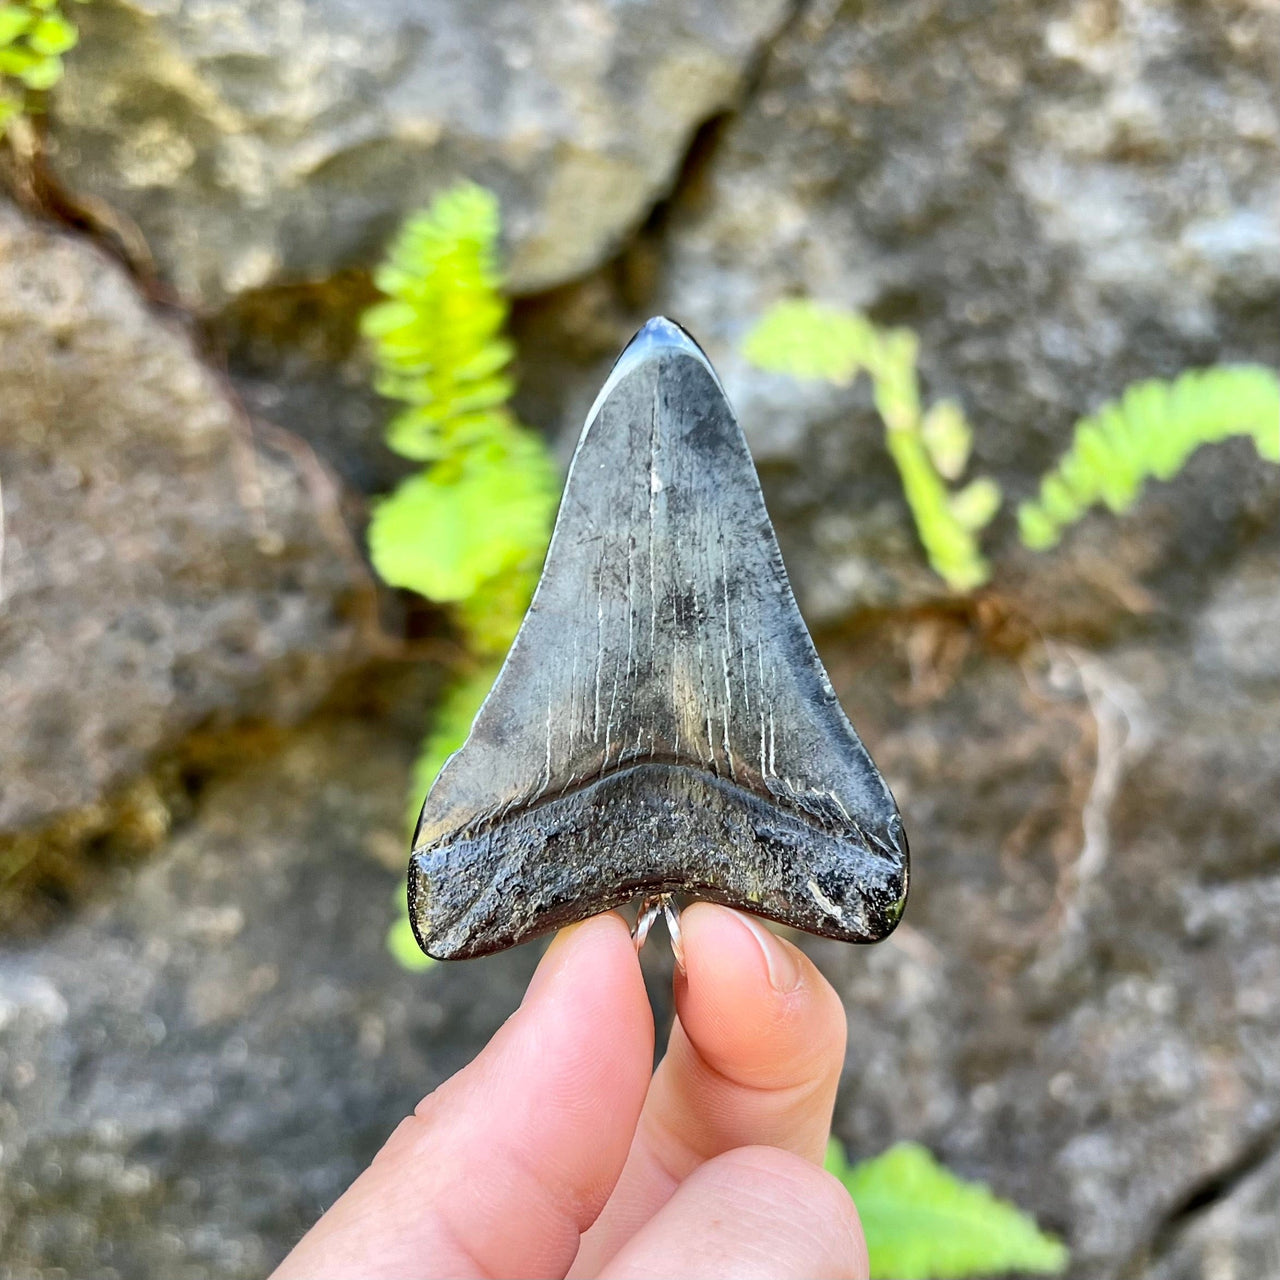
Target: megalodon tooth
662, 723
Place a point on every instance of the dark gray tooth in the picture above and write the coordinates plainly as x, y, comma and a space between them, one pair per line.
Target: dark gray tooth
662, 722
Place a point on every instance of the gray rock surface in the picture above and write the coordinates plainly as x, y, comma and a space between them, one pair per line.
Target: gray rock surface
259, 141
1238, 1236
1082, 1006
161, 569
1080, 1009
1059, 198
192, 1070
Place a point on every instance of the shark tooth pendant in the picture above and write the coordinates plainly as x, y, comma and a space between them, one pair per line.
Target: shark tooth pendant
662, 723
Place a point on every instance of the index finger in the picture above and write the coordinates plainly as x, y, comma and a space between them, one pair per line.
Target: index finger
501, 1168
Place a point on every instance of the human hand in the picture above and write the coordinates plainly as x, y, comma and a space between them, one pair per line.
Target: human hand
554, 1153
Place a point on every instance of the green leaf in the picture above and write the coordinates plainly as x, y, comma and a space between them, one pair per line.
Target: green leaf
1035, 528
923, 1223
53, 34
15, 19
427, 433
1151, 433
947, 437
807, 339
448, 530
385, 318
976, 504
17, 59
43, 74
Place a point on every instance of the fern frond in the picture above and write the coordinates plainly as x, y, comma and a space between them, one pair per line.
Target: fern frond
806, 339
33, 37
948, 541
480, 513
438, 338
469, 530
923, 1223
447, 531
1150, 433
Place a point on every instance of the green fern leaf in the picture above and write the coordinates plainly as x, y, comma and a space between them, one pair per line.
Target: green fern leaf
53, 35
975, 506
15, 20
17, 60
948, 438
447, 531
427, 433
1150, 433
438, 337
42, 74
33, 36
807, 339
471, 529
923, 1223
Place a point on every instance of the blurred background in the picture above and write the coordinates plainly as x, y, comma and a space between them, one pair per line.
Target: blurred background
210, 706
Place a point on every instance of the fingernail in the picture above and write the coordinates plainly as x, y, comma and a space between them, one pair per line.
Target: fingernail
782, 960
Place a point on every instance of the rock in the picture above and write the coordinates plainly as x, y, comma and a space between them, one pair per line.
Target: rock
295, 356
1059, 199
191, 1070
261, 142
1080, 1007
1236, 1235
162, 569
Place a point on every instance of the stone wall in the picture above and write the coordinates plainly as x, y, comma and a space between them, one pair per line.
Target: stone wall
1083, 1006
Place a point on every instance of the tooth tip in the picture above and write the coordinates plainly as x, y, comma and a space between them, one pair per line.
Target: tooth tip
656, 339
662, 336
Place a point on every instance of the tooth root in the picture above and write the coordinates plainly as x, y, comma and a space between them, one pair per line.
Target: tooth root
662, 722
